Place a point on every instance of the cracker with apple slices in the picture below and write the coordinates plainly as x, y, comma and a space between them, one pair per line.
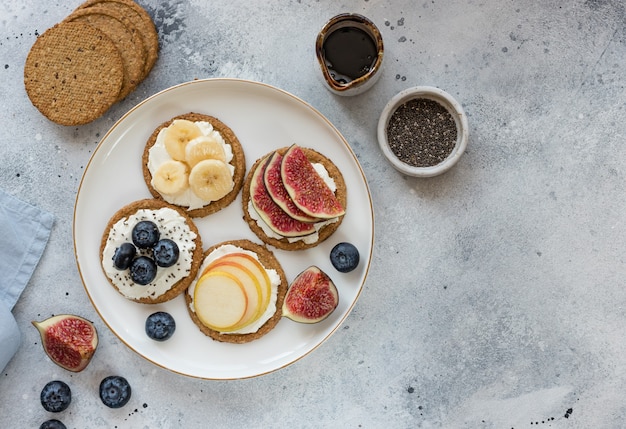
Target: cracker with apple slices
267, 261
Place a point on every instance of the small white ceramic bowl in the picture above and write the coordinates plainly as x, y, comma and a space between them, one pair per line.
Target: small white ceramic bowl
450, 104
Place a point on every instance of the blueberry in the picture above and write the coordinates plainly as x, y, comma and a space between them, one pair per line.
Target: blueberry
160, 326
143, 270
124, 255
52, 424
56, 396
344, 257
165, 253
145, 234
114, 391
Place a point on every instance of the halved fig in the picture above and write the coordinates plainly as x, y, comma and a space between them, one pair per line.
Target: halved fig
306, 187
311, 297
69, 341
275, 187
271, 213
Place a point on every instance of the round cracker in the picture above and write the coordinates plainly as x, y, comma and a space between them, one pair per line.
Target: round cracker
140, 19
269, 261
130, 45
325, 232
196, 259
238, 161
73, 73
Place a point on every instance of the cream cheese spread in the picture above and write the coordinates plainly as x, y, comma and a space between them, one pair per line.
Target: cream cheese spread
158, 154
171, 225
272, 274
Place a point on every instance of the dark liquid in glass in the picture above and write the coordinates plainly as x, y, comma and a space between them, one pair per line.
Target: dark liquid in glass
349, 53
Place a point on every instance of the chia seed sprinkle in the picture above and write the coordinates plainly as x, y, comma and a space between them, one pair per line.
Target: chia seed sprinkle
421, 133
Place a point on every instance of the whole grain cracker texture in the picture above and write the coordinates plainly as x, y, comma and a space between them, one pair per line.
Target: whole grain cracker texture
130, 45
64, 65
140, 19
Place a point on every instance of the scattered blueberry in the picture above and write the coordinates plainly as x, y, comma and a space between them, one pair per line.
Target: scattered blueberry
165, 253
344, 257
160, 326
115, 391
145, 234
143, 270
55, 396
52, 424
124, 255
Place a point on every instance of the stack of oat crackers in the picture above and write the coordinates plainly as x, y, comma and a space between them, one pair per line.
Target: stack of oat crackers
79, 68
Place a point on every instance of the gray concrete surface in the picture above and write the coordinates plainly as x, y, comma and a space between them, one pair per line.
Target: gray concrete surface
496, 293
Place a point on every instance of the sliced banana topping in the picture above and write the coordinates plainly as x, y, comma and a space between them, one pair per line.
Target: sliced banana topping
171, 177
210, 179
177, 135
183, 147
204, 147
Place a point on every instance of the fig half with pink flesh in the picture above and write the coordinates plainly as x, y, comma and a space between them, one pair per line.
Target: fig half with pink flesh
69, 341
311, 297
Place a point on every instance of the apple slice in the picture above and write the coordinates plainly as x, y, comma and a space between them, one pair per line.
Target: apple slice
220, 300
251, 285
255, 267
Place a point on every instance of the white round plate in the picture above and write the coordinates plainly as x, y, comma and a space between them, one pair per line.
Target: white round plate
264, 118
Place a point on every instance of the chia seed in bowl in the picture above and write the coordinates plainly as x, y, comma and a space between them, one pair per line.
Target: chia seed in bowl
423, 131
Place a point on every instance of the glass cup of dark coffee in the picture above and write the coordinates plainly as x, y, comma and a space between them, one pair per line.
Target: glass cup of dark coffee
349, 50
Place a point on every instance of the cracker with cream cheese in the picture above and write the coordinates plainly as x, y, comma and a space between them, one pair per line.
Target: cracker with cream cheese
185, 234
269, 261
238, 162
285, 243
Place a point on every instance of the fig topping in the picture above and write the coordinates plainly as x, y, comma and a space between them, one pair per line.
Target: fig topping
276, 189
271, 213
306, 187
69, 341
311, 297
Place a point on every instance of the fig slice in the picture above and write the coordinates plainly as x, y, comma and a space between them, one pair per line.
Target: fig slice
276, 188
69, 340
306, 187
271, 213
311, 297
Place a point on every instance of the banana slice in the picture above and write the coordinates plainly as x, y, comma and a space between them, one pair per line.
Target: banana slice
203, 147
177, 135
171, 177
210, 179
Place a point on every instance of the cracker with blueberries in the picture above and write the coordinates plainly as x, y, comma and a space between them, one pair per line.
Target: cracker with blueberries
150, 251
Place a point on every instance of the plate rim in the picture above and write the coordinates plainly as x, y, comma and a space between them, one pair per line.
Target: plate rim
163, 93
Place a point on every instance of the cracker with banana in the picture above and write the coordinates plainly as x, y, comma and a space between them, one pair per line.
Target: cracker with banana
194, 161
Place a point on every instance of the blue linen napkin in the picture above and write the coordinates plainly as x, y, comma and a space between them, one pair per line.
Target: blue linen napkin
24, 233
